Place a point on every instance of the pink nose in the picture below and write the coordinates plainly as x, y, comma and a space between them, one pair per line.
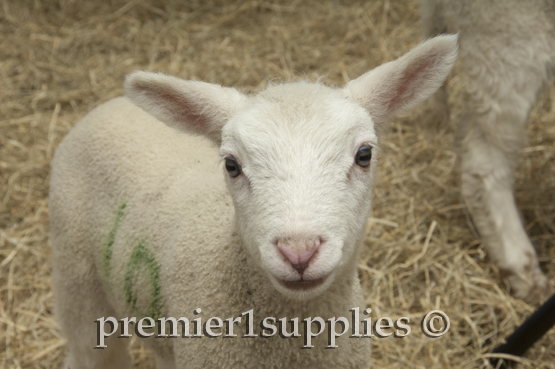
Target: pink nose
299, 251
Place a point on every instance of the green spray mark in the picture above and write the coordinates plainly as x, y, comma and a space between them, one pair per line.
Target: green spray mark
143, 257
107, 261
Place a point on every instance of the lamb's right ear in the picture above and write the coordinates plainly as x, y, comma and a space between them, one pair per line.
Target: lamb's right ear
195, 107
401, 84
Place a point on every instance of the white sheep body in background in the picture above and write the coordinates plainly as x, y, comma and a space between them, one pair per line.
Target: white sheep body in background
507, 51
143, 225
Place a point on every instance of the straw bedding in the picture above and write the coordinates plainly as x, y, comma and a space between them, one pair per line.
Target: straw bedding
59, 59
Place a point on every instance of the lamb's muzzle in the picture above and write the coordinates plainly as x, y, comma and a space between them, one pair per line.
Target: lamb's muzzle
299, 251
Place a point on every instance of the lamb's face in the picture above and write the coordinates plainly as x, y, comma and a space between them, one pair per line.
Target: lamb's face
299, 162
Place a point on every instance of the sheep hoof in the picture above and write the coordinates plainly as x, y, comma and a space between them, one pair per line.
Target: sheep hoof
532, 288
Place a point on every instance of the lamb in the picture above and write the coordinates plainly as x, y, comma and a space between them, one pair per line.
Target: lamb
507, 51
144, 225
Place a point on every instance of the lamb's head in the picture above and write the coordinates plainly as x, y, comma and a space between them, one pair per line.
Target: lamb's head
299, 157
299, 167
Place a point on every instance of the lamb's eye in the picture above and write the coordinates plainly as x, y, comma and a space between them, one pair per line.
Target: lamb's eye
364, 156
232, 167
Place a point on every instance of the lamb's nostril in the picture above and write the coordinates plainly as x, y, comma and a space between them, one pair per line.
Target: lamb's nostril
299, 253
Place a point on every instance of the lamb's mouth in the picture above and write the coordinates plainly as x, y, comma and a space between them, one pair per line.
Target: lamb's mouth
302, 284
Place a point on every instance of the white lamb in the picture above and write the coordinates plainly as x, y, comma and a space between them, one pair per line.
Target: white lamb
507, 50
143, 225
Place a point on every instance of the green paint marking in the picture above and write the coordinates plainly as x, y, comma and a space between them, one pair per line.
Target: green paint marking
143, 257
107, 261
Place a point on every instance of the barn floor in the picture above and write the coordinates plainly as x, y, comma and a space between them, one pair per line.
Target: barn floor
61, 58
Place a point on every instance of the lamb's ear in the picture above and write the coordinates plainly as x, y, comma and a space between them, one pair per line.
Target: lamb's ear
195, 107
401, 84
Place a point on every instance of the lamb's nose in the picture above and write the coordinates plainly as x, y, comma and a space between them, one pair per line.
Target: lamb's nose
299, 251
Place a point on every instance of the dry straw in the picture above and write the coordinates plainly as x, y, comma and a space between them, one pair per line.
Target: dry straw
60, 58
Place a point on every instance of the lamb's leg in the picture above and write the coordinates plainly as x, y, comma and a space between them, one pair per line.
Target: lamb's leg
491, 134
80, 300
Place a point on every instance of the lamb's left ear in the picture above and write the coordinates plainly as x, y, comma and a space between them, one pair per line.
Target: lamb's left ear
401, 84
195, 107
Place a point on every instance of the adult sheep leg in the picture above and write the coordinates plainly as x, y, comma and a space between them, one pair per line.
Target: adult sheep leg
487, 186
492, 132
